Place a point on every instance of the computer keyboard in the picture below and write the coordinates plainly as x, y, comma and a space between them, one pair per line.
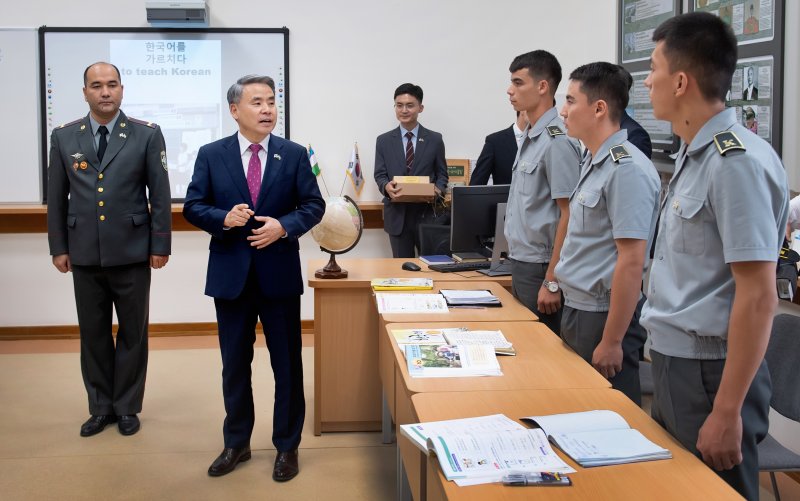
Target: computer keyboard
456, 267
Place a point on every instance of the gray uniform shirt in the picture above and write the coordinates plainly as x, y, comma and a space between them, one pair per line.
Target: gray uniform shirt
719, 209
546, 168
614, 199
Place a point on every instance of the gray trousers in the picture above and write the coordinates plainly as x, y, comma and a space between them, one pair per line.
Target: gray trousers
526, 280
583, 331
683, 398
113, 374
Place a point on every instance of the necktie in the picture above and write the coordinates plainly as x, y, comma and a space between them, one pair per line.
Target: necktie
101, 147
409, 151
254, 173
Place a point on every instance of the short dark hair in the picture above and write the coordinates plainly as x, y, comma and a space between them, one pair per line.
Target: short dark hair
86, 72
540, 65
235, 90
604, 81
411, 89
702, 45
627, 75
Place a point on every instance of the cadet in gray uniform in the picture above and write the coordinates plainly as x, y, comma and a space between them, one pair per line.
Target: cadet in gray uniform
543, 176
100, 228
711, 296
612, 219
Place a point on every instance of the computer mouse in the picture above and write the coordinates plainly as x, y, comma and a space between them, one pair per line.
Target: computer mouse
409, 266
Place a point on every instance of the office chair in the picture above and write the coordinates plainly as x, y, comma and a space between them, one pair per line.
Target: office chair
782, 355
434, 239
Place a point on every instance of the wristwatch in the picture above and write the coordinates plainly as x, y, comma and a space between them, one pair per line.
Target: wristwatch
551, 286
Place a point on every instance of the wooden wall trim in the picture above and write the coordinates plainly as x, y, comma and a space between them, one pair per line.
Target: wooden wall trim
45, 332
21, 218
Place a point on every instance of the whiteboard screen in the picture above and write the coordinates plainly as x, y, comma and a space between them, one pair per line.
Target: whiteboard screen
21, 171
173, 77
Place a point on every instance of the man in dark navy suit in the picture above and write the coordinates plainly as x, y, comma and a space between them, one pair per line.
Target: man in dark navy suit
498, 154
637, 136
256, 195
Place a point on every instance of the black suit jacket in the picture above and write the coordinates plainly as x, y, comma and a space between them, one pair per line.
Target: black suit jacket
97, 212
496, 158
289, 193
636, 134
390, 161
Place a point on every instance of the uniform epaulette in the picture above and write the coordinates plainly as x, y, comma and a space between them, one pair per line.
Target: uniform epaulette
70, 123
142, 122
618, 152
726, 141
554, 130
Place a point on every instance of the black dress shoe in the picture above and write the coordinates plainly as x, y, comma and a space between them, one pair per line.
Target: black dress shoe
128, 425
285, 466
96, 424
227, 461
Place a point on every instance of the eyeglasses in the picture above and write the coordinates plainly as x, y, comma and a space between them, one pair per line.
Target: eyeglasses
407, 106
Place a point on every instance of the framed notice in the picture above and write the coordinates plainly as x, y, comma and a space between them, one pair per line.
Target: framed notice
458, 170
638, 20
756, 88
752, 21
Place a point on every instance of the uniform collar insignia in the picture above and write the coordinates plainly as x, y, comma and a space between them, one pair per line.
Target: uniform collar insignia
554, 130
618, 152
726, 141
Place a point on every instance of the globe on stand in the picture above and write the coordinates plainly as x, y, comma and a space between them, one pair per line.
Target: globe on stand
338, 232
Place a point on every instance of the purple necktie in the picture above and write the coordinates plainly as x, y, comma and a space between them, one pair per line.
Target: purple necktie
254, 173
409, 151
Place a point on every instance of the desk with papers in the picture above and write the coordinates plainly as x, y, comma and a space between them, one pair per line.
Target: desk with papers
683, 477
347, 387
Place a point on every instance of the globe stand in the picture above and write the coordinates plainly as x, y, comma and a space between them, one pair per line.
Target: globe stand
331, 270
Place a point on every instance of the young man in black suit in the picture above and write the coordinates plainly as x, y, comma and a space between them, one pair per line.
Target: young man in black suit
408, 150
498, 154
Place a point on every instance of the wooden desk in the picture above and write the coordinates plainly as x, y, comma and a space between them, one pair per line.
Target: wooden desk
511, 311
542, 362
347, 389
683, 477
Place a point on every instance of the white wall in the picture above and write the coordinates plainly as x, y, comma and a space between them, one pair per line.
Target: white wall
344, 66
345, 63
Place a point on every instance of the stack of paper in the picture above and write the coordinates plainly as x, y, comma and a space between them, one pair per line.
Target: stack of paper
483, 449
446, 360
399, 284
410, 303
455, 335
598, 438
423, 336
470, 298
495, 339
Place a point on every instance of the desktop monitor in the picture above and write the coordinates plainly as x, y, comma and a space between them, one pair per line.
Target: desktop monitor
474, 216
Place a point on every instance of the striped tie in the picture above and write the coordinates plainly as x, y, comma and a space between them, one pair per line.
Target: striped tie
409, 151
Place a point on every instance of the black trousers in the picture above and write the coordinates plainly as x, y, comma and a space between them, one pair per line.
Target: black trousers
526, 280
281, 320
684, 393
583, 331
114, 375
407, 243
